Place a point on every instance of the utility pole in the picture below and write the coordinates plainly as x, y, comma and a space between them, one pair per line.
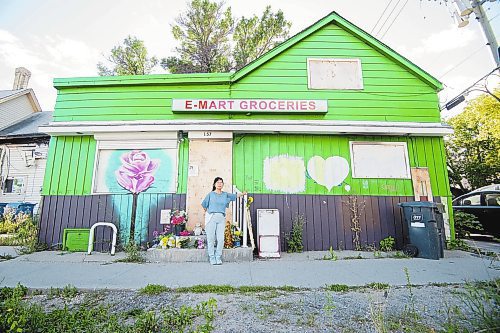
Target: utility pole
464, 9
477, 7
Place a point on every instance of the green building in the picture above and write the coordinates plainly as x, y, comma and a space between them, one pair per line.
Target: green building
331, 127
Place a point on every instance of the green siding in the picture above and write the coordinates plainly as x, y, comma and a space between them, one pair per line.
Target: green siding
183, 165
390, 93
250, 151
70, 166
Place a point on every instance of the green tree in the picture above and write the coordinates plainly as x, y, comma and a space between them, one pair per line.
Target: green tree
205, 31
473, 150
255, 36
131, 58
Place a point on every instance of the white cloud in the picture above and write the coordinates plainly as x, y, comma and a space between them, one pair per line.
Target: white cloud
449, 39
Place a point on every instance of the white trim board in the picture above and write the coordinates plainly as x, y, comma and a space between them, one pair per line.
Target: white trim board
250, 126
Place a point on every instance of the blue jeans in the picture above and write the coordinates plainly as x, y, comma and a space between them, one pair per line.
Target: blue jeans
215, 233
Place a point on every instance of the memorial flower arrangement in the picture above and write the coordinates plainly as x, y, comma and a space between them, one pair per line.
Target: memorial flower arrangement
178, 217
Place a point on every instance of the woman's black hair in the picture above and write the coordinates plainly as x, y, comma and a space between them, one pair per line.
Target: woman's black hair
215, 181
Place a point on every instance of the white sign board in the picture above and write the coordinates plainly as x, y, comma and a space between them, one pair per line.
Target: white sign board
250, 105
165, 216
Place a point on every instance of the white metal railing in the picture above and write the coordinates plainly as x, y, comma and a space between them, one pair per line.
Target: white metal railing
240, 215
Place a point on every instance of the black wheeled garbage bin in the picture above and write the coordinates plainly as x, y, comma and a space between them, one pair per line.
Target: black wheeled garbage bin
425, 223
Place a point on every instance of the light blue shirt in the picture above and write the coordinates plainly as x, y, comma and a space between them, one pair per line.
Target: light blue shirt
217, 203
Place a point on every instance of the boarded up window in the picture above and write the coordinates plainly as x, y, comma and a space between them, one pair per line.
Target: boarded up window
379, 160
137, 167
334, 74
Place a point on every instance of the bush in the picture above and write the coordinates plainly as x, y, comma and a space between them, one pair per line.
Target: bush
294, 238
466, 223
387, 244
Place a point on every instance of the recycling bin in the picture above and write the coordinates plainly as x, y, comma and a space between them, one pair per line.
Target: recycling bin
2, 207
425, 229
24, 207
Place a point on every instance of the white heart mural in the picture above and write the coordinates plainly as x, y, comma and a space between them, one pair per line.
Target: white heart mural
330, 172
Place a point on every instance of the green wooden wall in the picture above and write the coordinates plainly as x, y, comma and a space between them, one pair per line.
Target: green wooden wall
391, 92
250, 151
70, 166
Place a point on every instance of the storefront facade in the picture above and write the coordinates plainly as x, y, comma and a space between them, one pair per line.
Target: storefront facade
329, 120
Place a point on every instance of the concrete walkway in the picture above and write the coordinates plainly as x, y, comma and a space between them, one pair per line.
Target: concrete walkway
99, 271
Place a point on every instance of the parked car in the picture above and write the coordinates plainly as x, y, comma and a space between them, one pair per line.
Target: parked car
484, 203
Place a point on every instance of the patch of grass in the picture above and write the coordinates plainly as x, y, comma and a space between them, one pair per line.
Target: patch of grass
17, 315
309, 320
337, 287
254, 289
265, 311
69, 291
207, 288
377, 285
268, 295
359, 256
400, 255
153, 289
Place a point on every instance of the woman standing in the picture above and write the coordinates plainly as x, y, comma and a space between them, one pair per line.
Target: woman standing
215, 204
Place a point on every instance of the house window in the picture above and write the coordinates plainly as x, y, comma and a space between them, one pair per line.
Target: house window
380, 160
14, 185
334, 74
138, 167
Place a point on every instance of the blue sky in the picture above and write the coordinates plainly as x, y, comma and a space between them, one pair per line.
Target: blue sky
60, 38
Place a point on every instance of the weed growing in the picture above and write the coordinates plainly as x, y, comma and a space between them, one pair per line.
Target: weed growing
153, 289
294, 238
133, 254
337, 287
331, 255
387, 244
16, 315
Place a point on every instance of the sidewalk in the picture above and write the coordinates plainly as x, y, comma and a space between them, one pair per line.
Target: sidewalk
100, 271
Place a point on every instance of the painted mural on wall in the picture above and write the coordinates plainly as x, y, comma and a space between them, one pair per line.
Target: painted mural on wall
288, 174
328, 173
285, 173
135, 172
149, 170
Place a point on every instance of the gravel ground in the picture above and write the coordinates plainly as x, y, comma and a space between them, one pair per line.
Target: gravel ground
314, 310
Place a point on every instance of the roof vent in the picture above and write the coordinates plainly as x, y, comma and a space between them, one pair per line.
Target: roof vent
21, 78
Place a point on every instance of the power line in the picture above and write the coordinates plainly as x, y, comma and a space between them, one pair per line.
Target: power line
469, 87
394, 20
392, 11
381, 15
464, 60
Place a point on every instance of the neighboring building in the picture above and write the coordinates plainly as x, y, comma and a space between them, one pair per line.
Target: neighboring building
23, 150
329, 122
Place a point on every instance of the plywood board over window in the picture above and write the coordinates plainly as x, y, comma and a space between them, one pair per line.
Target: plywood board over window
139, 166
334, 74
380, 160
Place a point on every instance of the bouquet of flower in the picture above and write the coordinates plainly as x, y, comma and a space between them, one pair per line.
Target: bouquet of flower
178, 217
163, 239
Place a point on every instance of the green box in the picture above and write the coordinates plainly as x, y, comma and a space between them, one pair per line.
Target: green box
76, 240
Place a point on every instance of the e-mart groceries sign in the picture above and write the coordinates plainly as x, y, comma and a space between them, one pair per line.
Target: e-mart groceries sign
250, 105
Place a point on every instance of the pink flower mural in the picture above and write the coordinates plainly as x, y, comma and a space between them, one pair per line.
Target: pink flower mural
136, 172
136, 175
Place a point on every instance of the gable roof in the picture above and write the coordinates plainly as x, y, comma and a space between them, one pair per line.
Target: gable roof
7, 95
27, 127
333, 17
